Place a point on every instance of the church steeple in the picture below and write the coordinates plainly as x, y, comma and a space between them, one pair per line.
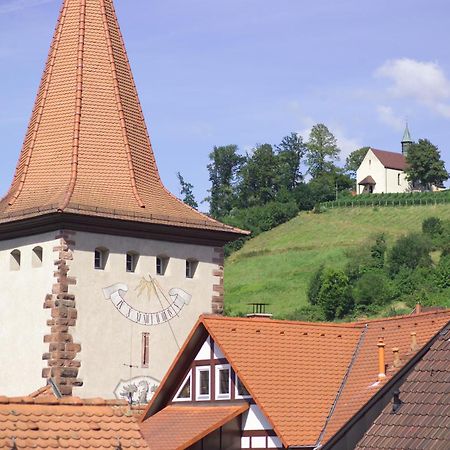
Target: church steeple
87, 150
406, 141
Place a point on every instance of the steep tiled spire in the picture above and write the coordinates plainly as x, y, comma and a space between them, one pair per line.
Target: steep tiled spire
87, 149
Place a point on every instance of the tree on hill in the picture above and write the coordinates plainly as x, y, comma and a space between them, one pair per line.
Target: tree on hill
223, 168
186, 191
354, 160
291, 152
258, 177
322, 150
425, 166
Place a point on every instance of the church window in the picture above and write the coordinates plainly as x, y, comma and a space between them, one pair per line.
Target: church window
399, 180
132, 260
241, 391
100, 258
223, 382
36, 257
14, 262
185, 391
191, 267
161, 265
145, 350
203, 381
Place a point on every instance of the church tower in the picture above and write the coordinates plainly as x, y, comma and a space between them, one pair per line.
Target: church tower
406, 141
103, 271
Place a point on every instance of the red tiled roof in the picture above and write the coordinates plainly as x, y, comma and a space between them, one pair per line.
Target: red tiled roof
391, 160
309, 379
423, 418
87, 149
179, 426
44, 423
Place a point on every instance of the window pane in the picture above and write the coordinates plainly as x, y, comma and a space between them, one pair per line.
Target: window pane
98, 259
188, 269
129, 263
159, 267
224, 381
186, 390
241, 389
204, 382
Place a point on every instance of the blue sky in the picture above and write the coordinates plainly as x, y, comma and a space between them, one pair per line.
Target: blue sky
217, 72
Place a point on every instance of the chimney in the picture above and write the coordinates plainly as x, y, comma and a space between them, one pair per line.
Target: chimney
418, 308
396, 403
397, 362
381, 360
414, 345
259, 311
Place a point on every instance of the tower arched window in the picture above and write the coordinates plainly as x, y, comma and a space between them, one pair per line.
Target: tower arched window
37, 256
14, 260
132, 260
100, 258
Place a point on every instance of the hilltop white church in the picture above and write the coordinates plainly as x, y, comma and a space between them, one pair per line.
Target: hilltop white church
384, 172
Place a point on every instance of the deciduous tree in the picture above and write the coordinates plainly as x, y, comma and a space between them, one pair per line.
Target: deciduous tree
322, 150
291, 152
354, 160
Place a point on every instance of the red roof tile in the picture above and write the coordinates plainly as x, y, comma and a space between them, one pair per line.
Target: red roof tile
309, 379
87, 149
44, 423
179, 426
423, 418
391, 160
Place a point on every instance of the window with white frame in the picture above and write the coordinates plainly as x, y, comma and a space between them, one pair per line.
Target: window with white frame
241, 391
184, 394
203, 383
100, 258
223, 382
37, 256
191, 267
132, 260
161, 265
14, 260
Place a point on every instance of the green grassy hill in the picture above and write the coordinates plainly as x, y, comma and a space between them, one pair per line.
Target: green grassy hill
276, 266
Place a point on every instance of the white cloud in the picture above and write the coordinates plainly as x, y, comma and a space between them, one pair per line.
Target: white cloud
17, 5
423, 82
387, 115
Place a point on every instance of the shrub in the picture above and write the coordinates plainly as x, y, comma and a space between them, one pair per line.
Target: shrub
314, 285
378, 251
410, 251
309, 313
335, 295
432, 226
442, 272
372, 290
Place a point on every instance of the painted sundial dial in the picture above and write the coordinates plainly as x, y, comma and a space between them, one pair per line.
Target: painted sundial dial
156, 306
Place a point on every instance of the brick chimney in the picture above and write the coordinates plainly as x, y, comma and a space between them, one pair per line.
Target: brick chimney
381, 360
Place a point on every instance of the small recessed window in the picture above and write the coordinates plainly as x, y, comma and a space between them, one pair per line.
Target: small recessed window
203, 381
100, 258
399, 180
14, 260
36, 257
241, 391
191, 268
184, 394
223, 382
145, 350
132, 260
161, 265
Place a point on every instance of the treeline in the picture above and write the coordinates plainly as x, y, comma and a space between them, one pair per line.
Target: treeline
267, 186
416, 269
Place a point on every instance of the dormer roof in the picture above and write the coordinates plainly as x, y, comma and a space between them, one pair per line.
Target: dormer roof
87, 151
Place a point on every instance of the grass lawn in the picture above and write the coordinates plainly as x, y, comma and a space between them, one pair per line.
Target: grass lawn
276, 266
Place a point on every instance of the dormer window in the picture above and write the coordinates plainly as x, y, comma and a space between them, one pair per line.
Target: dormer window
14, 260
100, 258
36, 257
203, 382
223, 382
132, 260
184, 394
191, 267
241, 391
161, 265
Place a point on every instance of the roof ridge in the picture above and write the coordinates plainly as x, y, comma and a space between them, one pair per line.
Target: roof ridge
64, 401
38, 110
342, 386
349, 325
119, 102
78, 103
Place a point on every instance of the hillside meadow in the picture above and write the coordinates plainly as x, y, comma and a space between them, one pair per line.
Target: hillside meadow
276, 266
